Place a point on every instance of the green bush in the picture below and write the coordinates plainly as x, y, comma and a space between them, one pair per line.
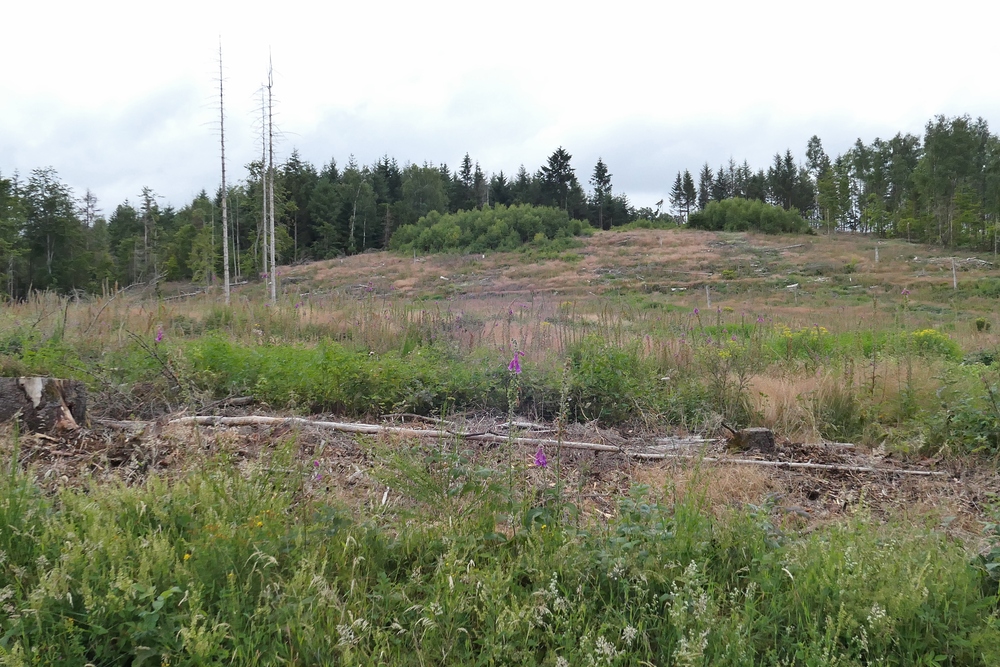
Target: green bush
748, 215
933, 342
610, 383
969, 416
330, 377
498, 228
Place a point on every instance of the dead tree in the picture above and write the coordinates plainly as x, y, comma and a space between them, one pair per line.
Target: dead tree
225, 217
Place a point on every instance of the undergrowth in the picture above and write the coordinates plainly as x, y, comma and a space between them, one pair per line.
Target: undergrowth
242, 566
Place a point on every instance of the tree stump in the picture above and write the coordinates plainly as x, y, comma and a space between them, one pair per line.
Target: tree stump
44, 404
761, 439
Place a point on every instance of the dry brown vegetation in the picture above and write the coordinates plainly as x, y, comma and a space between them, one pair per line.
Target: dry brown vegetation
605, 287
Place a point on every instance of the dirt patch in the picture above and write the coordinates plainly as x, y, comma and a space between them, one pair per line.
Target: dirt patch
345, 466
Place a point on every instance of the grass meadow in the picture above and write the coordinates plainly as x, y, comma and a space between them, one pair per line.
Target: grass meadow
460, 555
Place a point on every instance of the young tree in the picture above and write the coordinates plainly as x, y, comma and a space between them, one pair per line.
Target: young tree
502, 189
677, 196
601, 182
463, 193
524, 189
558, 179
705, 179
480, 188
690, 194
721, 186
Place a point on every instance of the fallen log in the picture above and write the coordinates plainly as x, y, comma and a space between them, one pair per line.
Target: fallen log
374, 429
43, 403
792, 464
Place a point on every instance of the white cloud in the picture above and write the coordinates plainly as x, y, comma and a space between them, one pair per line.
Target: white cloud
118, 95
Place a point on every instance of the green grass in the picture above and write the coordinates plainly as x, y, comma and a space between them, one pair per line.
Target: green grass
256, 563
223, 566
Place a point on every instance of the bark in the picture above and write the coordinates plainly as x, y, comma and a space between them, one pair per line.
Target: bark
43, 403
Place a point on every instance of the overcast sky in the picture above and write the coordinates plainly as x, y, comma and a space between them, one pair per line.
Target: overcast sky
116, 96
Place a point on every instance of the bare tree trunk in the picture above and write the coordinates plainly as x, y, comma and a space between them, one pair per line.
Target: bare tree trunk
263, 186
225, 217
270, 158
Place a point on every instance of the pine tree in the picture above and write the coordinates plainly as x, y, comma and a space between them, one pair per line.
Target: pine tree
558, 179
690, 195
705, 179
721, 186
601, 181
677, 196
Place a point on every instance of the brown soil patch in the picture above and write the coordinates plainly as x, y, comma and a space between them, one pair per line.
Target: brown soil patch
348, 467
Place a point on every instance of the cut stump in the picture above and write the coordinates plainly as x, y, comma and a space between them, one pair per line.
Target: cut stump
761, 439
43, 403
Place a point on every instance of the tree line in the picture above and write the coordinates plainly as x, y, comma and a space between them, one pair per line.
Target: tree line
942, 188
50, 239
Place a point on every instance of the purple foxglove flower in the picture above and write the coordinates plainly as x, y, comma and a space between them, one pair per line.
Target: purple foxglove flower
540, 459
159, 334
515, 364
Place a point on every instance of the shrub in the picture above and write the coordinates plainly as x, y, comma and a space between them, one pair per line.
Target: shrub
609, 383
500, 228
969, 418
932, 341
746, 215
330, 377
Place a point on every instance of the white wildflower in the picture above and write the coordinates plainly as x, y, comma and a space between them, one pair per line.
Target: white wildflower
628, 635
604, 650
876, 615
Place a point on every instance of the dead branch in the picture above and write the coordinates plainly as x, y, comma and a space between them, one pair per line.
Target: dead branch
410, 415
791, 464
373, 429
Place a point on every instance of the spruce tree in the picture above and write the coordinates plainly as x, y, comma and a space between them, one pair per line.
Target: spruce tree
677, 196
690, 195
601, 181
705, 179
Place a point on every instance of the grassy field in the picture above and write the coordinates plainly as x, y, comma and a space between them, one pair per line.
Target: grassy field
161, 543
